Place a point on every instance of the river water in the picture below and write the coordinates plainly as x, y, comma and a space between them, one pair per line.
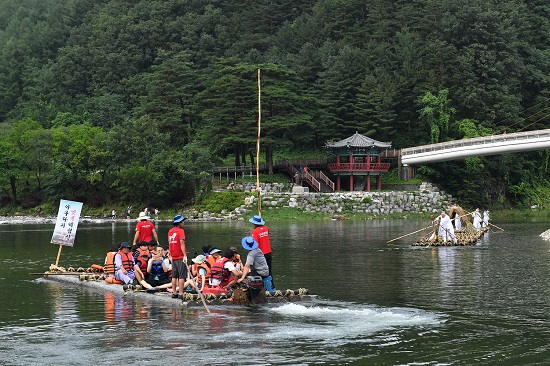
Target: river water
375, 303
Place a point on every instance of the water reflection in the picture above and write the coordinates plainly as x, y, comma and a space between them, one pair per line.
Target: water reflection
117, 309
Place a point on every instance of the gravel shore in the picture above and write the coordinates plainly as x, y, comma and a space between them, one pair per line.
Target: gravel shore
5, 220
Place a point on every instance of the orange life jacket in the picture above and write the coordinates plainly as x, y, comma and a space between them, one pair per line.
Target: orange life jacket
109, 267
210, 260
127, 260
206, 268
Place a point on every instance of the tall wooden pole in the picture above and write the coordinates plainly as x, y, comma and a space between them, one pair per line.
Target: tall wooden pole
58, 255
258, 188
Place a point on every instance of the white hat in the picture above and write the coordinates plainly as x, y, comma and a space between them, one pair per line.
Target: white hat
199, 259
142, 216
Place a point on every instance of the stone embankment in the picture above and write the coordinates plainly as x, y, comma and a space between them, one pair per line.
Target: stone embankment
426, 199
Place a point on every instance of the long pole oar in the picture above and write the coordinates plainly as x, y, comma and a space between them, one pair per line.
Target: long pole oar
414, 232
496, 226
57, 274
189, 277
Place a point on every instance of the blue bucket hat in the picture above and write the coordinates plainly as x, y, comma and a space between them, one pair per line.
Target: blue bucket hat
257, 220
125, 244
249, 243
179, 218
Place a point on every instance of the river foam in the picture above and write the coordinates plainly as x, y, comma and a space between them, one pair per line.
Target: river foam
322, 322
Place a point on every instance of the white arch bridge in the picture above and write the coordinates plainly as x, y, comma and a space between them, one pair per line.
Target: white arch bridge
479, 146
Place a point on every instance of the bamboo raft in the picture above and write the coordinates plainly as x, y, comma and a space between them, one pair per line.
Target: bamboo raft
467, 235
94, 279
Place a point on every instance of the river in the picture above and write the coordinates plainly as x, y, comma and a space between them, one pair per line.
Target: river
375, 303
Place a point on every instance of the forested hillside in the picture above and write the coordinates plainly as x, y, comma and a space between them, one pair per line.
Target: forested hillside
134, 101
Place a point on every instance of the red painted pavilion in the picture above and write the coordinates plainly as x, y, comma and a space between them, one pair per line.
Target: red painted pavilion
357, 159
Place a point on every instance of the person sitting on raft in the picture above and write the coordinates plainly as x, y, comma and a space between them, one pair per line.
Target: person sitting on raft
206, 249
109, 265
157, 269
237, 259
141, 259
200, 270
124, 264
255, 264
223, 273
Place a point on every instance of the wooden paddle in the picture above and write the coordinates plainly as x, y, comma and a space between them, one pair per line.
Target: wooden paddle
189, 277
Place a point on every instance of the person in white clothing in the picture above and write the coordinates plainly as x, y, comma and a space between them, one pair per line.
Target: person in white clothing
458, 223
485, 218
446, 230
476, 215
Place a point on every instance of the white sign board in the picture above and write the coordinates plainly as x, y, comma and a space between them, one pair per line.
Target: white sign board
67, 222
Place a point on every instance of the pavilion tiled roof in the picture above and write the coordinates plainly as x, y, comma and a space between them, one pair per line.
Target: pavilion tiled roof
358, 140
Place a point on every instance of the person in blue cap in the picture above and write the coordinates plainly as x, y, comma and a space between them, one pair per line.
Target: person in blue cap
260, 233
256, 264
124, 264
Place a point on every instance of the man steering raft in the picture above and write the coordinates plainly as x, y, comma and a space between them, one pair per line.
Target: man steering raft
260, 234
255, 265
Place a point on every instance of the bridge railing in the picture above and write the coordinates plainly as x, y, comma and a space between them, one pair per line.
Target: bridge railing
476, 141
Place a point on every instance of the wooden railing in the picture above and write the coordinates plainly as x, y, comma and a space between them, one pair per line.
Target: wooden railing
325, 179
238, 169
302, 162
359, 167
311, 180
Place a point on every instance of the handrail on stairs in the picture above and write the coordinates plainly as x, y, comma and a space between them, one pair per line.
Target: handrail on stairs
327, 180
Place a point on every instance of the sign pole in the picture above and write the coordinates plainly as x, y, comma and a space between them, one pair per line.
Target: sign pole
58, 255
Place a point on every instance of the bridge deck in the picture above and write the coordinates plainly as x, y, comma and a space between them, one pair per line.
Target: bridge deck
479, 146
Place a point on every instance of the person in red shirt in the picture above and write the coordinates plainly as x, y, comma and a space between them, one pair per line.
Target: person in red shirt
178, 251
260, 233
145, 230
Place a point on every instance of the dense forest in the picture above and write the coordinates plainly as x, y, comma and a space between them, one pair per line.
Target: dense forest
135, 100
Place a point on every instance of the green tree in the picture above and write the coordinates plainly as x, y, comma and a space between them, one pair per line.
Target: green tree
231, 111
78, 163
437, 113
171, 91
11, 161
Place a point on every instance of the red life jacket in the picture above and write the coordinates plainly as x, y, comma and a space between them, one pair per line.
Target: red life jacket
127, 260
219, 272
142, 262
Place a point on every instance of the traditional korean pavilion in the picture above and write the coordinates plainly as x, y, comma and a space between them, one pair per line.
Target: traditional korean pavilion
357, 159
